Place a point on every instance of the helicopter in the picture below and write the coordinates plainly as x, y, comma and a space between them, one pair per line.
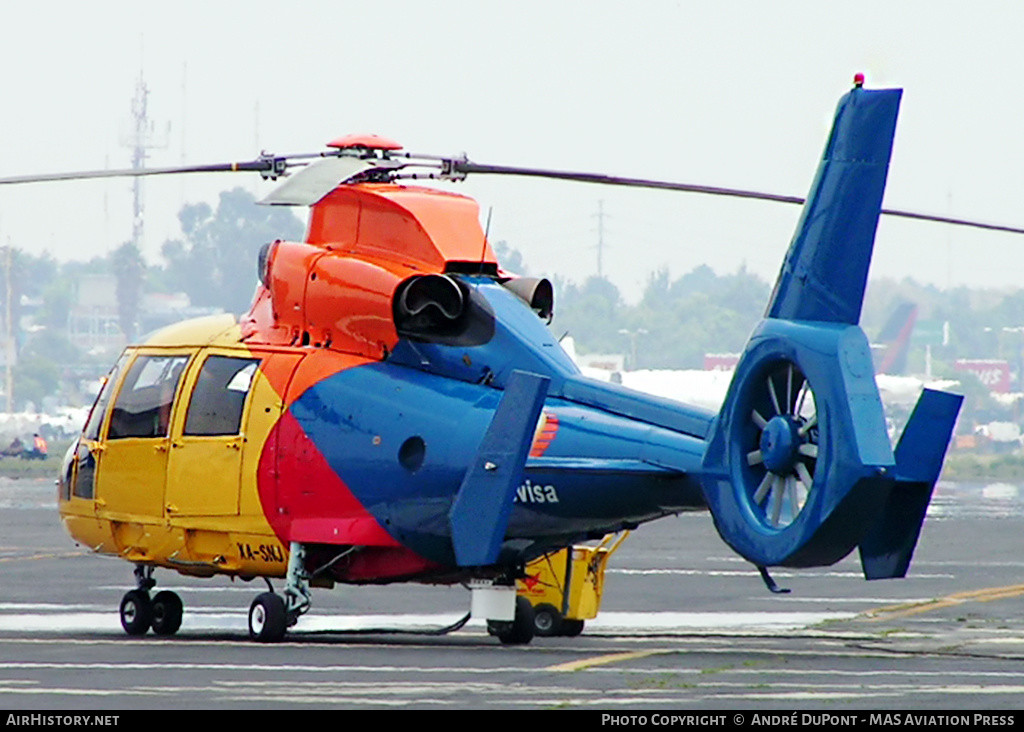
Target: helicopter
393, 408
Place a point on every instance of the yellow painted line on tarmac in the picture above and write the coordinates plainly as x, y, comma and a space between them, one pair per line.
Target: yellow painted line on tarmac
957, 598
604, 660
51, 555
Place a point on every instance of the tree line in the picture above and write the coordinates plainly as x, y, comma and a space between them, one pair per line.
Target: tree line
213, 262
677, 320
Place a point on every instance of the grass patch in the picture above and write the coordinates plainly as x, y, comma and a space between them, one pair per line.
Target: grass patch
670, 681
15, 467
974, 467
892, 631
717, 670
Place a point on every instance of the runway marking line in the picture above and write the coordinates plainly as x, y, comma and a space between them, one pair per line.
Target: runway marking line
48, 555
605, 659
907, 609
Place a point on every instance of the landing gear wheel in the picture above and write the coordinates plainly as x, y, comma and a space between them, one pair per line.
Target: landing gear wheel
167, 612
136, 612
571, 628
518, 631
547, 621
268, 619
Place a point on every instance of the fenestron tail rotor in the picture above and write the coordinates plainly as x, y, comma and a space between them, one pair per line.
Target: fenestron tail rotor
785, 453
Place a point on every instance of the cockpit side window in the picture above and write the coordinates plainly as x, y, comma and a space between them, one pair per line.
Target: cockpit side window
79, 477
218, 398
99, 409
144, 402
84, 482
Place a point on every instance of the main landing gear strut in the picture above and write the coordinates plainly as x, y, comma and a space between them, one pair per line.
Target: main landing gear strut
270, 614
140, 612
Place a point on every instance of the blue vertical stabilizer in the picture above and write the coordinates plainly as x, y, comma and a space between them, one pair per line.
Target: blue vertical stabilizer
826, 269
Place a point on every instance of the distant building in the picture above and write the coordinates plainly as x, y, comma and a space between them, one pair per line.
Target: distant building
721, 361
610, 362
162, 309
93, 323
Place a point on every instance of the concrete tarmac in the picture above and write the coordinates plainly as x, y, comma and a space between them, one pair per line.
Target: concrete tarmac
685, 625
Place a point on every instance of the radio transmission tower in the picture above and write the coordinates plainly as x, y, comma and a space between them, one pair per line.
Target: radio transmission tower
601, 216
141, 139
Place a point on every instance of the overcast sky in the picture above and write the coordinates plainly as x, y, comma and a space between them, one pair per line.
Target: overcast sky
736, 94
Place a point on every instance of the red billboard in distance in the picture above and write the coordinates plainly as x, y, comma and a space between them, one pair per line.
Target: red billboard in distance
994, 373
720, 361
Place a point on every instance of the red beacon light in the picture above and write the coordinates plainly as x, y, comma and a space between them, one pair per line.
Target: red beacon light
858, 80
369, 142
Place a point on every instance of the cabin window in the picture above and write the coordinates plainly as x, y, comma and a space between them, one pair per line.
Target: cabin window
82, 479
144, 403
99, 409
218, 398
85, 475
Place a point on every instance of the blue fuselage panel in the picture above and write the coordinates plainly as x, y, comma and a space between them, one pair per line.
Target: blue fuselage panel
401, 439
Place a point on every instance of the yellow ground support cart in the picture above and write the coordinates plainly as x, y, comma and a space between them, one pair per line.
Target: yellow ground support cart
565, 593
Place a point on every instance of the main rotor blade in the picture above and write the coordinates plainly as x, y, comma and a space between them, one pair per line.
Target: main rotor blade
953, 221
465, 167
261, 165
273, 167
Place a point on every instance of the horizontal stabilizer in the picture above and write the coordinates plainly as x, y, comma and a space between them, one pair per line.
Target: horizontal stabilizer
480, 512
887, 549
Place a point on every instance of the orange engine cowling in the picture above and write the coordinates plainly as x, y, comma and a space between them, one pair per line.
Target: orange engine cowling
336, 290
317, 297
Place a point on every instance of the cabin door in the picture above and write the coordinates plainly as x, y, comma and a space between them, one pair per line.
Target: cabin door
131, 463
208, 439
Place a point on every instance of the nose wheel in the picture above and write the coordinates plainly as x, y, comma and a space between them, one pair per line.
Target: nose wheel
167, 612
136, 612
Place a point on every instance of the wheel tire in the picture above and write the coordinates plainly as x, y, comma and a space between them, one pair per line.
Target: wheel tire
571, 628
167, 612
520, 630
136, 612
268, 619
547, 621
